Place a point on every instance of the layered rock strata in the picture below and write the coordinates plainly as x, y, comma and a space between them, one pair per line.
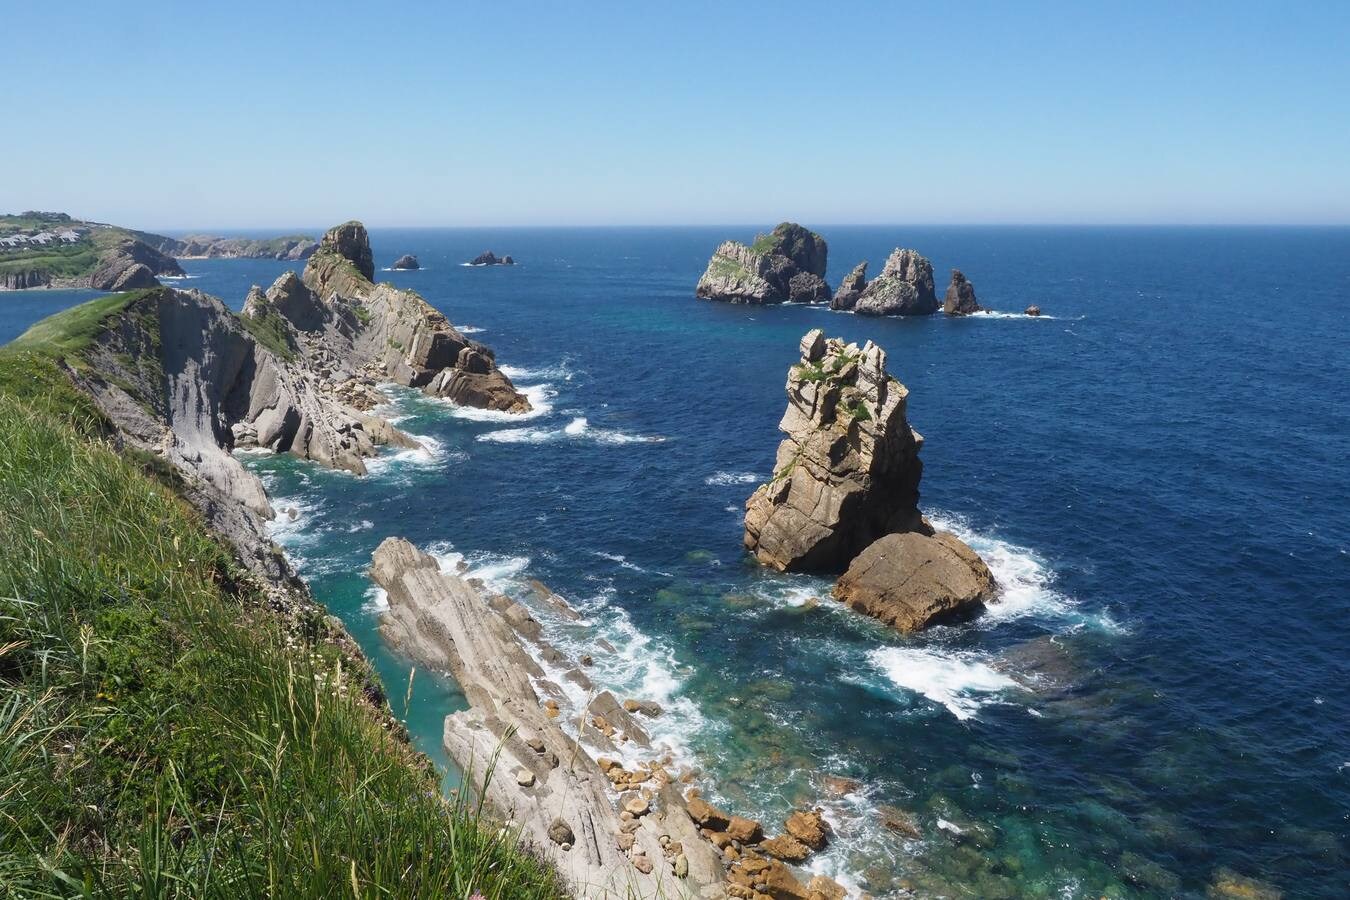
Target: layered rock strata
848, 471
845, 490
786, 265
344, 320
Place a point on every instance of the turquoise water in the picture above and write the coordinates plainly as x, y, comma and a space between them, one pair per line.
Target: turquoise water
1156, 472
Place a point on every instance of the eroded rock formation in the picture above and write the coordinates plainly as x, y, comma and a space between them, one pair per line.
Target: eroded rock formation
407, 261
612, 832
130, 265
786, 265
851, 288
488, 258
904, 288
960, 299
354, 323
848, 471
844, 496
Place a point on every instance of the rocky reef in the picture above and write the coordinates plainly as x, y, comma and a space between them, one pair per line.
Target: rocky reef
960, 299
845, 491
786, 265
407, 262
488, 258
588, 788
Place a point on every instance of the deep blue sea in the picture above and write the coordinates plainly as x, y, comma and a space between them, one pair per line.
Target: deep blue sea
1157, 470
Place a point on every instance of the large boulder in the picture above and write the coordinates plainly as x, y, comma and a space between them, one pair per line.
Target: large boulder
851, 288
960, 299
848, 471
904, 288
786, 265
911, 580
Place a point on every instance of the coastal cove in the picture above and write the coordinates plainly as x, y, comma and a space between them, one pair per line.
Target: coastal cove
1154, 471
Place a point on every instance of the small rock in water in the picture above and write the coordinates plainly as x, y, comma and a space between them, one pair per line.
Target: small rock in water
898, 821
839, 786
1033, 310
809, 827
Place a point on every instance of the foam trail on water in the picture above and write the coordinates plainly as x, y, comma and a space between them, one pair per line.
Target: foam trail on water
731, 478
577, 429
961, 682
562, 370
430, 454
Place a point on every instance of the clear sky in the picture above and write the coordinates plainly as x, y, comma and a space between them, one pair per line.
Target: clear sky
251, 114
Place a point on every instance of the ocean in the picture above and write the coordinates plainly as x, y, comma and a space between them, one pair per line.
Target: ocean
1157, 470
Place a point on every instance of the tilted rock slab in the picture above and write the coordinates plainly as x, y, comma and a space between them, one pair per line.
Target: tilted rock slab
543, 781
848, 471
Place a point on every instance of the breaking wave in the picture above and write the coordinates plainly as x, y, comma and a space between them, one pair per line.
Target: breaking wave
577, 429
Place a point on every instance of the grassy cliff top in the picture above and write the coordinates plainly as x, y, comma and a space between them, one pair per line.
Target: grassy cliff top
164, 732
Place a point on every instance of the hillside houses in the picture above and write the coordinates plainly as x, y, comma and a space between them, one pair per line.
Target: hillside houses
39, 239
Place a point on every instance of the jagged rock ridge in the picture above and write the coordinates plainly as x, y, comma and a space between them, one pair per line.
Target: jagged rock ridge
960, 299
786, 265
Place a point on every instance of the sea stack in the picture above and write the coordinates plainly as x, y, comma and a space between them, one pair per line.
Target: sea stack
845, 491
851, 288
904, 288
960, 299
786, 265
407, 262
1033, 310
488, 258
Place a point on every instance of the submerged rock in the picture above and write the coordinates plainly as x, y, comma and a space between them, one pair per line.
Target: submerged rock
904, 288
848, 471
960, 299
407, 261
786, 265
911, 580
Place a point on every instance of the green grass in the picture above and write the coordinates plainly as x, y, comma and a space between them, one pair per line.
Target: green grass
163, 732
269, 328
61, 260
71, 331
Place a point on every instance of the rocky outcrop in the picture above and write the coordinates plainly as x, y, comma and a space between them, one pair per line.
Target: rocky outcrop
1033, 311
904, 288
407, 262
912, 580
851, 288
363, 328
786, 265
131, 264
844, 496
294, 247
848, 471
488, 258
26, 280
960, 299
610, 830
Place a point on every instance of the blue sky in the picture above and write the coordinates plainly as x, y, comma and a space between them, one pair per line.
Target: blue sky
271, 114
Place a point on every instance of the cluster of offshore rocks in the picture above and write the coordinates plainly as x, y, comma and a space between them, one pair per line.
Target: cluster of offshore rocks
844, 496
488, 258
788, 266
586, 786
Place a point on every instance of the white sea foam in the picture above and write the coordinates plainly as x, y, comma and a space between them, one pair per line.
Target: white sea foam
998, 314
731, 478
961, 682
377, 599
577, 429
562, 371
469, 329
430, 454
363, 525
539, 395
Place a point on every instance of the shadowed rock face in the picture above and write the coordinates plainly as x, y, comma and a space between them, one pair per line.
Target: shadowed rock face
407, 261
488, 258
960, 299
912, 580
848, 471
131, 265
851, 288
786, 265
904, 288
350, 241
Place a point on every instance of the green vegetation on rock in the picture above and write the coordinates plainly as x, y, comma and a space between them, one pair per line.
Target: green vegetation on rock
164, 732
